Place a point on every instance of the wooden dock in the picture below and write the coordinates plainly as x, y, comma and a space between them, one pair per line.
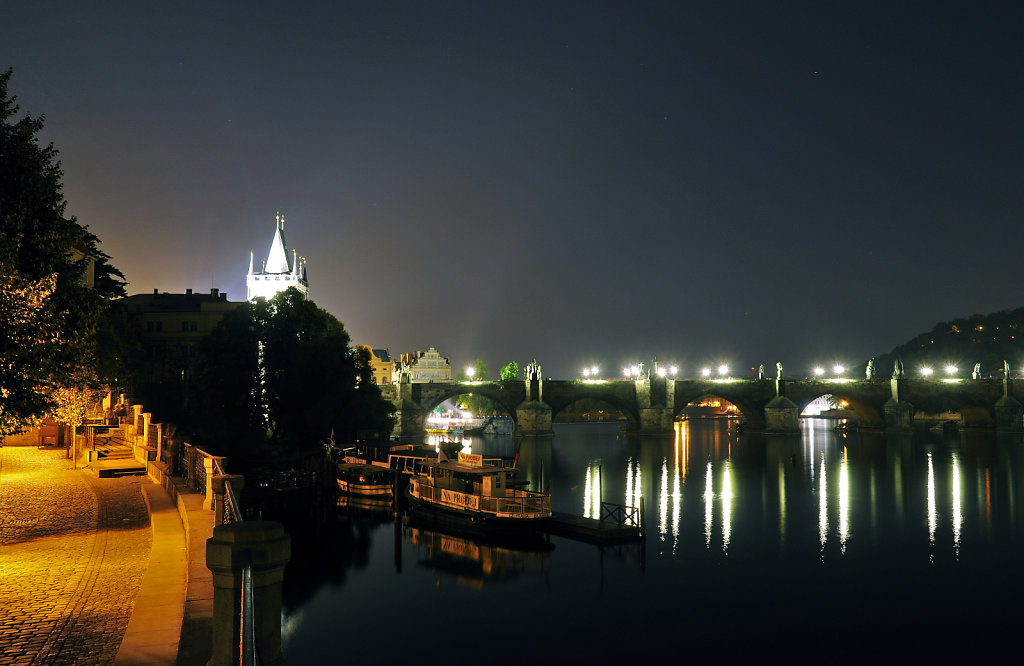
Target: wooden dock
591, 530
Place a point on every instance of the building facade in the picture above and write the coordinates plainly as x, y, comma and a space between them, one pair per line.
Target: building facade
428, 366
279, 271
382, 368
170, 328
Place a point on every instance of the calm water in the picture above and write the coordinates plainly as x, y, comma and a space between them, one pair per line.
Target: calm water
816, 547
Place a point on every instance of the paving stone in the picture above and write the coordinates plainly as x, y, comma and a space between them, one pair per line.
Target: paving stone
73, 551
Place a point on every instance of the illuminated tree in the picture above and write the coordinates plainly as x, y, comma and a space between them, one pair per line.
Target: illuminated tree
48, 315
509, 371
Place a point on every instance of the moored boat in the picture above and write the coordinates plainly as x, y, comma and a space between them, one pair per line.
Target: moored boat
365, 480
475, 490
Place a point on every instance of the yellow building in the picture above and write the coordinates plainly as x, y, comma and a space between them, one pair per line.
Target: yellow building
381, 365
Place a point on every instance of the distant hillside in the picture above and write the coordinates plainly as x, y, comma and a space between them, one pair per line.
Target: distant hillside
986, 339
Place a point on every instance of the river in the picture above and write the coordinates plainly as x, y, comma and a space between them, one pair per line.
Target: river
821, 546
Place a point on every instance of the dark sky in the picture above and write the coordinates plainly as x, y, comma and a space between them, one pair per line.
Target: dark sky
579, 182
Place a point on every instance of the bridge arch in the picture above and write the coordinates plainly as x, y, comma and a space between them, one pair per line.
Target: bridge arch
629, 411
443, 392
746, 409
868, 416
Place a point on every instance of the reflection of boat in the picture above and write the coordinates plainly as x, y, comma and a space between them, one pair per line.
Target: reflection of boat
470, 489
380, 505
474, 560
359, 478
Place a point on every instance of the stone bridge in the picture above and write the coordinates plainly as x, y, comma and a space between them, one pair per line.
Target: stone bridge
651, 404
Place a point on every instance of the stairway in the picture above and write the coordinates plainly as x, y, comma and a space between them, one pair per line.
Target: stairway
114, 457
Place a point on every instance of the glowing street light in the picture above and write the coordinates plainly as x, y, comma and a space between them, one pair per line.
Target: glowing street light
705, 372
662, 372
950, 370
470, 371
819, 371
838, 369
586, 373
593, 371
927, 371
674, 370
723, 370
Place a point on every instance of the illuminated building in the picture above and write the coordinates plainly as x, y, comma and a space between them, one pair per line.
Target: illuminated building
428, 366
381, 366
279, 271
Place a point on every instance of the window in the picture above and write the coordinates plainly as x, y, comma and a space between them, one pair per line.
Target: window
184, 326
192, 326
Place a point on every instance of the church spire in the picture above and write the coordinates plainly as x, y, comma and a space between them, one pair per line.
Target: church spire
277, 259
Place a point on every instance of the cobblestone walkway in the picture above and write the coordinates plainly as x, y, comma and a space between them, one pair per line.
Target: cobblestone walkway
73, 551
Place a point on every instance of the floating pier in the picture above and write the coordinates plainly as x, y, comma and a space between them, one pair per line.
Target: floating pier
618, 524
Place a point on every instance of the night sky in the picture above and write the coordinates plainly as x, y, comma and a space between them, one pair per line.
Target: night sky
578, 182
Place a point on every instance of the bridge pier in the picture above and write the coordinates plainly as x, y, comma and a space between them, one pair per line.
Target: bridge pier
1008, 410
781, 416
899, 414
655, 399
533, 418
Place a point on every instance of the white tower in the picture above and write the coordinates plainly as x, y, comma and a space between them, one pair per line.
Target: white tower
279, 270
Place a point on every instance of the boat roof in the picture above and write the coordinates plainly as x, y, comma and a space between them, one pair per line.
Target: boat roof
467, 469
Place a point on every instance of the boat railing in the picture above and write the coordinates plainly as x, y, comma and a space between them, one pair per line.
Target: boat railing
405, 464
532, 504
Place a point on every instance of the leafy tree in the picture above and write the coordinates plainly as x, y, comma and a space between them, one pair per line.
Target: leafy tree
48, 315
479, 372
282, 372
509, 371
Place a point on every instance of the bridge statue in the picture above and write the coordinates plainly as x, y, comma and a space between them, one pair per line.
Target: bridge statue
760, 371
869, 371
1006, 369
533, 370
897, 370
977, 371
778, 370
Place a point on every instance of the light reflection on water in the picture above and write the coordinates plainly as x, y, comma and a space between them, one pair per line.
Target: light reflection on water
844, 489
748, 536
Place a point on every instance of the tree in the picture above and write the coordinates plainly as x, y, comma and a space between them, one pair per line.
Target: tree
48, 315
479, 372
509, 371
281, 372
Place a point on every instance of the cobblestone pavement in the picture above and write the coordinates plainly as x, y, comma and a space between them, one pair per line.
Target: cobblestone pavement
73, 551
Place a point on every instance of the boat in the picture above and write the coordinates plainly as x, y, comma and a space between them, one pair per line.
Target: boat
475, 490
357, 477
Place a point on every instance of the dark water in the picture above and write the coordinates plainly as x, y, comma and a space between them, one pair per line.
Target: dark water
815, 548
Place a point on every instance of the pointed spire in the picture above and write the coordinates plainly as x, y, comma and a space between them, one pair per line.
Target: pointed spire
250, 262
277, 259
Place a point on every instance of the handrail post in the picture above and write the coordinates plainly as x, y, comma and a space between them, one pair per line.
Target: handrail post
268, 548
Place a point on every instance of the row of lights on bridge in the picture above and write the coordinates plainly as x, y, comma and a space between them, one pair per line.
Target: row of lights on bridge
722, 370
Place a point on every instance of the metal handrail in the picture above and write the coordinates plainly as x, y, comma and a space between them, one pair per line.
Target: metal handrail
247, 640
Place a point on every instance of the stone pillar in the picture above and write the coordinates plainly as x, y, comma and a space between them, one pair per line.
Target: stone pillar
220, 490
208, 466
159, 443
655, 397
410, 421
266, 547
533, 417
1009, 415
781, 416
188, 453
899, 414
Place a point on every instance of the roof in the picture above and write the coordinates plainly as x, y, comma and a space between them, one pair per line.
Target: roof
277, 260
382, 354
